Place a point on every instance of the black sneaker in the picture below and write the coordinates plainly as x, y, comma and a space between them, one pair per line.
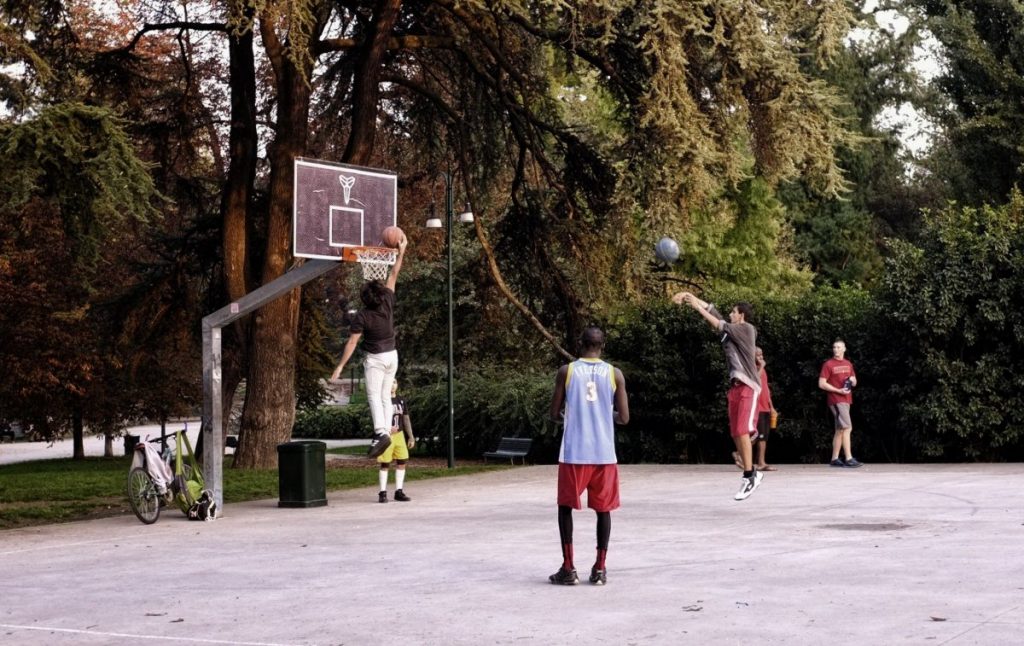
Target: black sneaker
853, 463
401, 497
382, 496
380, 444
598, 577
837, 463
564, 577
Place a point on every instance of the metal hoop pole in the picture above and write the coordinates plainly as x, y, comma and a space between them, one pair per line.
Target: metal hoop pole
451, 324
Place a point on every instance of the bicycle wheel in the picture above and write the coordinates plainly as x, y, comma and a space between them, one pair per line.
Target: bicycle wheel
142, 496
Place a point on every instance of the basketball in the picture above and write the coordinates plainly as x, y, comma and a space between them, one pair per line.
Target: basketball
393, 236
667, 250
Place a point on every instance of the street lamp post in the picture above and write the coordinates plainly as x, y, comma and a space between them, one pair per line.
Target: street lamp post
435, 223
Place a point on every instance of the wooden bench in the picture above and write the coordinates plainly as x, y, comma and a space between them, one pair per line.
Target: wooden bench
511, 448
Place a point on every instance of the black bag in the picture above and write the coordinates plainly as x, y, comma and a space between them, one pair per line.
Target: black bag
204, 508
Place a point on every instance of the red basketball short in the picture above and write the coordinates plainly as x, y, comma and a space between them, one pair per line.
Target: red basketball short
600, 481
742, 410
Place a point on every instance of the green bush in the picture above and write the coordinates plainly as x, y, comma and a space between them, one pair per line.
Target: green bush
956, 301
333, 423
937, 351
489, 404
677, 381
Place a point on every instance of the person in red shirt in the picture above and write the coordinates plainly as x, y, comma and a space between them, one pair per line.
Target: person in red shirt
765, 413
837, 378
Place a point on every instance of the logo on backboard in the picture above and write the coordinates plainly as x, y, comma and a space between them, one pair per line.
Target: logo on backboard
346, 184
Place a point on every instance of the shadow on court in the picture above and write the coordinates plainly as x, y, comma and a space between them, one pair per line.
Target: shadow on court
885, 554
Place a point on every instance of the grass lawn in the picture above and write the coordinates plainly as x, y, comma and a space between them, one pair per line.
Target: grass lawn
53, 491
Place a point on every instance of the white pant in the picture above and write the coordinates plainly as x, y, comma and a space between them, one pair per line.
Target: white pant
380, 372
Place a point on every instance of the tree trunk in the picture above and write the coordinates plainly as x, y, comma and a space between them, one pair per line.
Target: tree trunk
236, 205
269, 410
78, 435
242, 168
108, 445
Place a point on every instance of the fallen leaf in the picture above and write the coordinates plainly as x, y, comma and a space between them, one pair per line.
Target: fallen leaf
938, 618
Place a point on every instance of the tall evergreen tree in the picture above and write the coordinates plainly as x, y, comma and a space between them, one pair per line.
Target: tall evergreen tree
980, 152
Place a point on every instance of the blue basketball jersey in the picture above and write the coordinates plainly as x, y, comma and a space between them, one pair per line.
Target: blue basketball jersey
589, 436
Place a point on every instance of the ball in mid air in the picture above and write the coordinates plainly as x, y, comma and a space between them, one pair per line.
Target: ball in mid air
667, 250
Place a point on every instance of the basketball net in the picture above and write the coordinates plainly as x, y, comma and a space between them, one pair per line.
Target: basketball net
375, 261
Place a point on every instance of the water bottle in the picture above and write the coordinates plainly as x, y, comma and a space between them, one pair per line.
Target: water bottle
848, 384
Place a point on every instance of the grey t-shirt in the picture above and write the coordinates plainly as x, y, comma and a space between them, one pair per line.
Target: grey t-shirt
739, 340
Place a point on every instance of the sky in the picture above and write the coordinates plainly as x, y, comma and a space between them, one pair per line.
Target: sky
915, 130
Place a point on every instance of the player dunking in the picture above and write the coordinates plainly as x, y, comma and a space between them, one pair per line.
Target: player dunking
375, 325
594, 395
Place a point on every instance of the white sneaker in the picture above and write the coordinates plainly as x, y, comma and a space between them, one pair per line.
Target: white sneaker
748, 486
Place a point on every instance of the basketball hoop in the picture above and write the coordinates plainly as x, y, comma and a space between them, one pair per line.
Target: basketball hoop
375, 261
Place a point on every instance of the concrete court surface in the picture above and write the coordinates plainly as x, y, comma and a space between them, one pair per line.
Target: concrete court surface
885, 554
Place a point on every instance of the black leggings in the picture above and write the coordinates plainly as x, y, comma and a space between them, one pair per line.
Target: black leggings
604, 526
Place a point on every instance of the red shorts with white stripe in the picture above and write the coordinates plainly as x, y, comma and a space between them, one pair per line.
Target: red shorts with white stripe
742, 410
600, 481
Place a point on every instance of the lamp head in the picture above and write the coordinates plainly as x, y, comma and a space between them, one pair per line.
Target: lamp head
467, 214
433, 222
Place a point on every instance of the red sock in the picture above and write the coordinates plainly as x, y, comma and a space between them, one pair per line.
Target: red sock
601, 555
567, 556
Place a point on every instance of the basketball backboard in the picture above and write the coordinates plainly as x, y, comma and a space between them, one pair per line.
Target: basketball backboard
338, 206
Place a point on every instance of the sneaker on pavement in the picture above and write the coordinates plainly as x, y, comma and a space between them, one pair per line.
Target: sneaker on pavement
837, 463
382, 496
598, 577
749, 485
853, 463
379, 444
564, 577
401, 497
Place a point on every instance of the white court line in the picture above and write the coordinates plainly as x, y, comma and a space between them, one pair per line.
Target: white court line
99, 633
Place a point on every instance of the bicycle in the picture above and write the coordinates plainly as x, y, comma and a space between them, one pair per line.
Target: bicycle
155, 480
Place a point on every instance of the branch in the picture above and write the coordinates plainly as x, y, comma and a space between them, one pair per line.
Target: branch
161, 26
423, 91
394, 42
492, 264
563, 38
272, 44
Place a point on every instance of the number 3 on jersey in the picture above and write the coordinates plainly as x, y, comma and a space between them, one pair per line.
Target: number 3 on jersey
591, 391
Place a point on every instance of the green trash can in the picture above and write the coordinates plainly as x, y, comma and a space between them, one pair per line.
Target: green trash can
300, 474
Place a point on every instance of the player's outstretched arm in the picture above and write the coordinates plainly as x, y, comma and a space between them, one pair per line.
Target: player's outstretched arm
703, 308
558, 397
621, 399
397, 267
350, 347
